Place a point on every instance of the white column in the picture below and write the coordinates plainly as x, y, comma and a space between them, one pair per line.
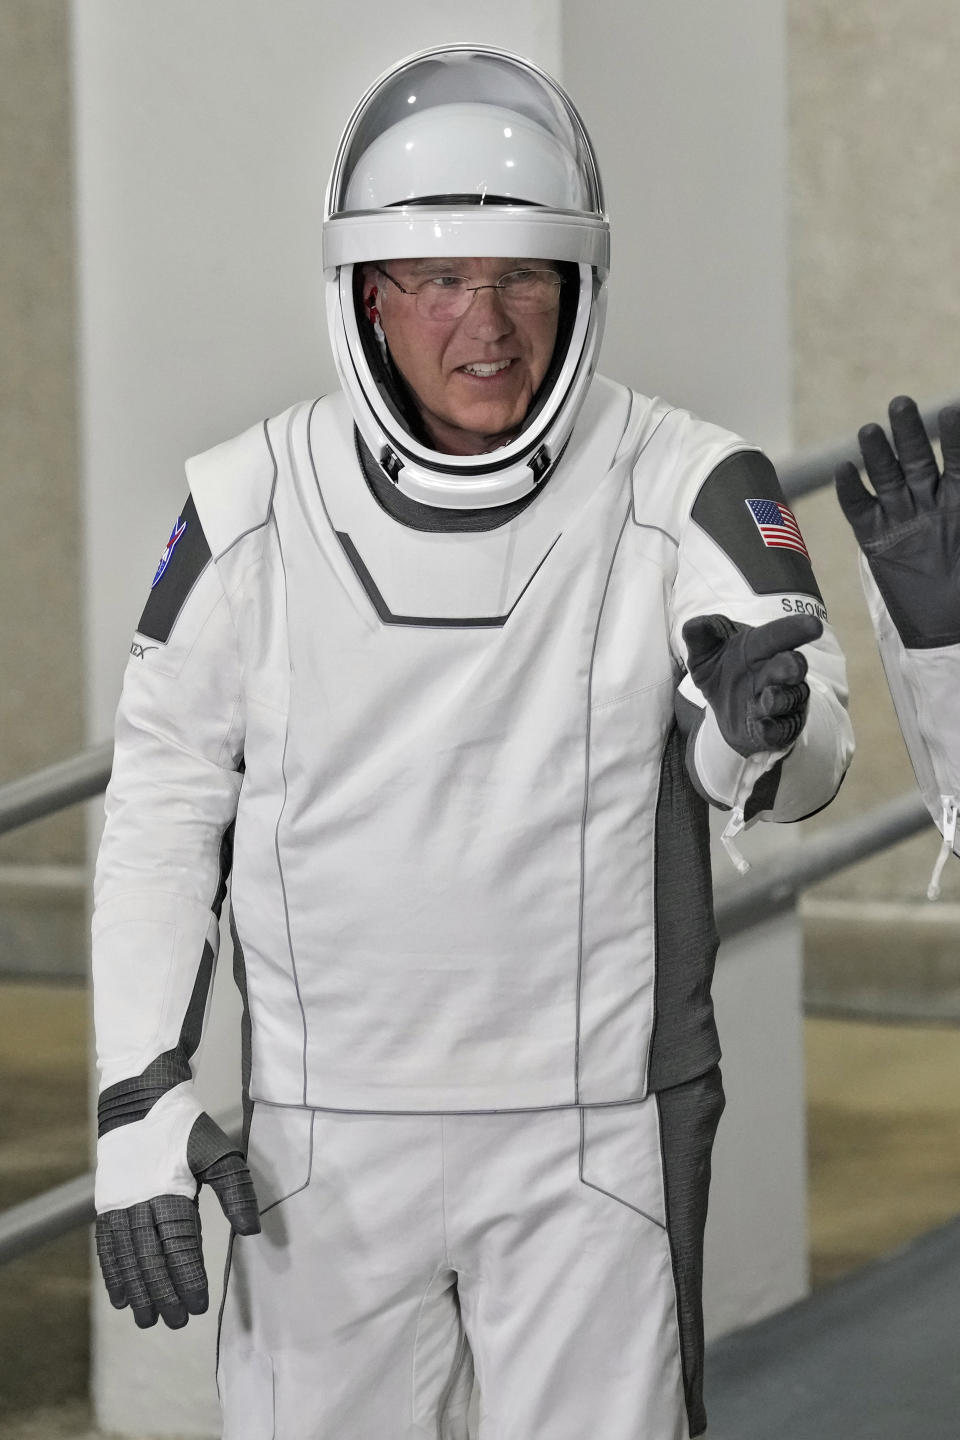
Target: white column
204, 136
687, 104
756, 1252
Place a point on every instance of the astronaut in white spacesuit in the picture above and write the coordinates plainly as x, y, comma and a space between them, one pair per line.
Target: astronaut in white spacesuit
909, 535
451, 664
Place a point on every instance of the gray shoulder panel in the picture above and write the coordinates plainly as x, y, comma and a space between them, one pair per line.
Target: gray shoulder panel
743, 509
186, 556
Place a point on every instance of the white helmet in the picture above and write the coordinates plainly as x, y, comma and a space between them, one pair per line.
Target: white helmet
465, 151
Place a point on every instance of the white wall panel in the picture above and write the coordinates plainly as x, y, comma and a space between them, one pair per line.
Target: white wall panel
686, 101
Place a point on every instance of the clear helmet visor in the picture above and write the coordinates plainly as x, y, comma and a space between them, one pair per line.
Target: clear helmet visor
465, 122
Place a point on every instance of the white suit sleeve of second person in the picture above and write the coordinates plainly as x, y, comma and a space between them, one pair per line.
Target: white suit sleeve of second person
161, 872
924, 686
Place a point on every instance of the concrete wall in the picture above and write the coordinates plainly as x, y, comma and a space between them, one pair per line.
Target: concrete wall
41, 649
875, 280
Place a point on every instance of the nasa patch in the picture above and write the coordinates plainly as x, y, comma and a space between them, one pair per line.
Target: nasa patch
175, 536
186, 556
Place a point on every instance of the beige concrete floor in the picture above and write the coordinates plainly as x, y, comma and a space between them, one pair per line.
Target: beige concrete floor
44, 1139
883, 1135
884, 1139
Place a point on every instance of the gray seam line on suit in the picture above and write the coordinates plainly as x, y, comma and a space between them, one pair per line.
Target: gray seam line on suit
416, 1340
658, 530
451, 1383
655, 916
290, 1194
447, 1111
443, 1192
228, 1264
234, 714
633, 492
632, 694
586, 779
276, 838
586, 800
387, 616
425, 622
313, 466
235, 541
609, 1193
260, 523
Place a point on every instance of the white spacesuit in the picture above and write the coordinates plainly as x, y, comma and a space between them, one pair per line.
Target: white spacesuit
437, 706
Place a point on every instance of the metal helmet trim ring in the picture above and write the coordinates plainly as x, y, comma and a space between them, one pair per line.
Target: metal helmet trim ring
409, 232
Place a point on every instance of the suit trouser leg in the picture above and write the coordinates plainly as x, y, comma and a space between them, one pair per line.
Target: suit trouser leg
569, 1282
560, 1251
341, 1320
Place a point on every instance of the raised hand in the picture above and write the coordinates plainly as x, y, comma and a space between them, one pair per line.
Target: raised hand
909, 530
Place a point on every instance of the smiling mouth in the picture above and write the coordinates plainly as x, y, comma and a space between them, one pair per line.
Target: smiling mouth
483, 369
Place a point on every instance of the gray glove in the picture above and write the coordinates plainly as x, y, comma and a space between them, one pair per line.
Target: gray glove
151, 1254
910, 530
752, 677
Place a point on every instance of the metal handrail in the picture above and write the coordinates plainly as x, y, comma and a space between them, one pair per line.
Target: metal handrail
813, 468
769, 889
55, 787
46, 1216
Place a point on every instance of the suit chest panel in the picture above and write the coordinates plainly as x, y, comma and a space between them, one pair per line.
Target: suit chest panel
633, 651
572, 603
440, 680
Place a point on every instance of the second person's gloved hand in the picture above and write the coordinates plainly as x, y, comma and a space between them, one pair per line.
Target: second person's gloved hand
909, 530
752, 676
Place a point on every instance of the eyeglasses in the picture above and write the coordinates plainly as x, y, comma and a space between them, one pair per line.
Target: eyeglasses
447, 297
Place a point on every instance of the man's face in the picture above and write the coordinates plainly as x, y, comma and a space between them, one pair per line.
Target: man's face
474, 377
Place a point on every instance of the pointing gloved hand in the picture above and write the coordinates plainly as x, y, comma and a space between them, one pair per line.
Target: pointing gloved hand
752, 677
910, 530
151, 1254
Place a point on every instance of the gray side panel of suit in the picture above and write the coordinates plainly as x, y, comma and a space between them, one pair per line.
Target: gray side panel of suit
685, 1040
689, 1116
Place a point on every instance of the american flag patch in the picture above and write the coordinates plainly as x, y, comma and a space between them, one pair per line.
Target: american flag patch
777, 526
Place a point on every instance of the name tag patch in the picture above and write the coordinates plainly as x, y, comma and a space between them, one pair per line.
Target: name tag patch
800, 605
